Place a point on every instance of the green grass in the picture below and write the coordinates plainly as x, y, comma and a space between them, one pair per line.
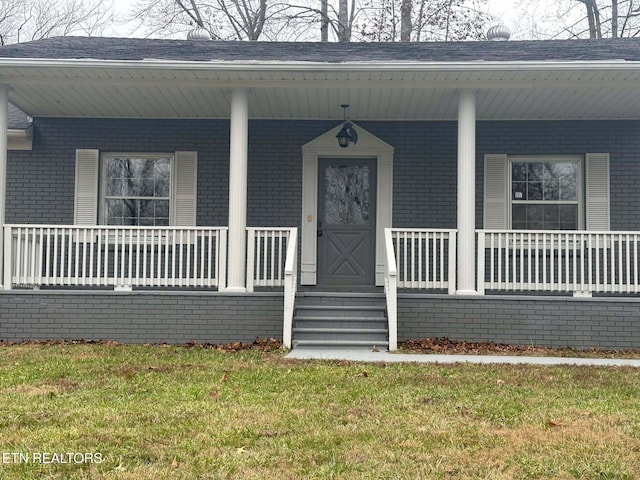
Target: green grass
169, 412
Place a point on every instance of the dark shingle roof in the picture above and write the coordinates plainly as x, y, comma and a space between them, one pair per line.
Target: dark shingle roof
17, 118
138, 49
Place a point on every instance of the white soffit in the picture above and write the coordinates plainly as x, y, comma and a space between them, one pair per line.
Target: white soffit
552, 90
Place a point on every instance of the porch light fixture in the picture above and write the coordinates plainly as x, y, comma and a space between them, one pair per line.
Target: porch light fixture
347, 133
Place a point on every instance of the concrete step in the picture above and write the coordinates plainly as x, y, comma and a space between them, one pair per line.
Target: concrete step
341, 322
340, 319
353, 311
373, 336
340, 343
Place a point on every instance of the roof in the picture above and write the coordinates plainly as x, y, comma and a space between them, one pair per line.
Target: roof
18, 120
123, 49
150, 78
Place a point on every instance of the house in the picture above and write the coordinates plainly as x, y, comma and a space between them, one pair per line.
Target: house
179, 190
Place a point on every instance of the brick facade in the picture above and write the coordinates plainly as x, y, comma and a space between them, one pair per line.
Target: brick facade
544, 321
140, 317
40, 187
40, 182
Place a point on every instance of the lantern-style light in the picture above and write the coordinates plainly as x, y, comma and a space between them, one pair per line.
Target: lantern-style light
347, 133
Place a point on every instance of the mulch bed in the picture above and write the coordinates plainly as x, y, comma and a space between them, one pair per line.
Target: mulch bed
444, 345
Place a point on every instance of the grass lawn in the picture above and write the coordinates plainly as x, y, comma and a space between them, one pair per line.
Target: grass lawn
153, 412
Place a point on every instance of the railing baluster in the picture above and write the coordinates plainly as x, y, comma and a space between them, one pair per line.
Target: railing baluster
635, 263
209, 253
272, 237
620, 266
265, 258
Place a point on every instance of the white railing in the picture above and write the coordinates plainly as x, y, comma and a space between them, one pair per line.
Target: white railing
425, 258
290, 286
110, 256
266, 250
558, 261
391, 289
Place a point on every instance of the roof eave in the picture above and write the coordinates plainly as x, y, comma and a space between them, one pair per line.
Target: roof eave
243, 65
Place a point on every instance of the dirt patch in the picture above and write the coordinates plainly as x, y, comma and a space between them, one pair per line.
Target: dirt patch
444, 345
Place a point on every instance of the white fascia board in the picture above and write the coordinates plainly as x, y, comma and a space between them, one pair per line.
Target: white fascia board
374, 66
20, 133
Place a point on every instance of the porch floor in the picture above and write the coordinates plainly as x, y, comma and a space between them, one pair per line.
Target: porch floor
360, 354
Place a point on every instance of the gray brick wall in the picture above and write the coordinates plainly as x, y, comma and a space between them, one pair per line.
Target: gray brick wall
140, 317
41, 182
544, 321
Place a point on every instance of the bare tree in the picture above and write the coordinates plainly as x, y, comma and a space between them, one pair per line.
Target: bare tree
406, 23
339, 20
585, 19
429, 20
22, 20
9, 20
223, 19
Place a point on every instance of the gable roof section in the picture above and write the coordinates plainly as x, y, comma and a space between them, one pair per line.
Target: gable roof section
131, 49
18, 120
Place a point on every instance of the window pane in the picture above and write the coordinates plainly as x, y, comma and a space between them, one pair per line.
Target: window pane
534, 217
535, 172
136, 181
568, 181
551, 218
519, 190
534, 191
162, 209
346, 195
568, 217
519, 217
551, 180
519, 172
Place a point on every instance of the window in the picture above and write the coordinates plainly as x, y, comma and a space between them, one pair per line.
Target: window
136, 189
546, 193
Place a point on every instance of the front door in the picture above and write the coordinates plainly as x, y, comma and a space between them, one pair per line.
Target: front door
346, 222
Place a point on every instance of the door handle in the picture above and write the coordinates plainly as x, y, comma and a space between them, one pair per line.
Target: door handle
319, 228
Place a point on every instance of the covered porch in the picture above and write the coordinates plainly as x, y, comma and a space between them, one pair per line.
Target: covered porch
442, 138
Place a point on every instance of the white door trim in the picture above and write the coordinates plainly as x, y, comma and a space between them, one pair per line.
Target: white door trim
326, 146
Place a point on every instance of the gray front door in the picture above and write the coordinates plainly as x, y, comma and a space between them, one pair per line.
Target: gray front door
346, 222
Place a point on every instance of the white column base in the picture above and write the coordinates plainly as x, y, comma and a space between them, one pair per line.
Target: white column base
235, 290
467, 292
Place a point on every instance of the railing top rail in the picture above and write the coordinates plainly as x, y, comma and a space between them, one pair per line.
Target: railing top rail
115, 227
290, 259
270, 229
564, 232
423, 230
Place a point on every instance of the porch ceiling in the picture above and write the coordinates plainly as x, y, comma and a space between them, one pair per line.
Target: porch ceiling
400, 91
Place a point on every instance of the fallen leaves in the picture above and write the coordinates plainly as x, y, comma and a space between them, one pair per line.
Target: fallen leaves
260, 344
553, 423
444, 345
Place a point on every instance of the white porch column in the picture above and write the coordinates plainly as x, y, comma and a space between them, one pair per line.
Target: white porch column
238, 152
466, 194
4, 125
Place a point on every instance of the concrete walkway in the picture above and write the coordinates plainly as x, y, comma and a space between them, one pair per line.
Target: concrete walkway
366, 355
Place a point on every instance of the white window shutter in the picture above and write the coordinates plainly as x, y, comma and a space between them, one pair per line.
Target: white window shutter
495, 192
186, 189
86, 190
597, 192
